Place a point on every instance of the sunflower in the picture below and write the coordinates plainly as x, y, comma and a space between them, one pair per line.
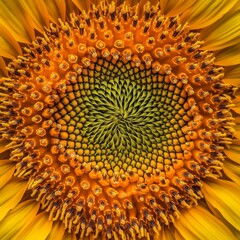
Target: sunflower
119, 119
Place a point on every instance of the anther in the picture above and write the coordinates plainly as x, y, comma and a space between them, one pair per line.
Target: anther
35, 95
38, 106
26, 111
105, 53
136, 60
92, 51
72, 58
41, 132
119, 44
163, 35
167, 69
115, 53
43, 142
64, 65
156, 66
86, 61
100, 44
179, 60
37, 119
27, 131
127, 53
147, 58
139, 48
135, 21
146, 28
92, 34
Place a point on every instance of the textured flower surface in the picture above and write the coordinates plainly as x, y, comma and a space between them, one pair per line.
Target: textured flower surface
119, 119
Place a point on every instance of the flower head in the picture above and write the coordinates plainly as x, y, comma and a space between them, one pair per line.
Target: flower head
120, 120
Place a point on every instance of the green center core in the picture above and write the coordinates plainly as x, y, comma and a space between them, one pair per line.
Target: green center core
125, 115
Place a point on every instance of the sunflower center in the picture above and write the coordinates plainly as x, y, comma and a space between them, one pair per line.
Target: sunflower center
115, 118
126, 118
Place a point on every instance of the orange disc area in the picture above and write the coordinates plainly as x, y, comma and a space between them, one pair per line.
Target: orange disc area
114, 118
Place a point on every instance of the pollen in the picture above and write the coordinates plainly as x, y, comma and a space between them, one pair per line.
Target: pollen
115, 117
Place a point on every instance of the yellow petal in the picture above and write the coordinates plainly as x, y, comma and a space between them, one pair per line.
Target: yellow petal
6, 172
69, 236
57, 9
4, 154
184, 232
61, 5
70, 7
82, 5
224, 197
3, 143
38, 229
166, 234
3, 70
17, 218
228, 56
223, 33
199, 223
120, 2
172, 8
233, 73
233, 81
177, 235
135, 2
16, 20
9, 46
57, 231
10, 195
217, 214
232, 170
38, 12
233, 153
236, 101
237, 130
237, 120
204, 13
